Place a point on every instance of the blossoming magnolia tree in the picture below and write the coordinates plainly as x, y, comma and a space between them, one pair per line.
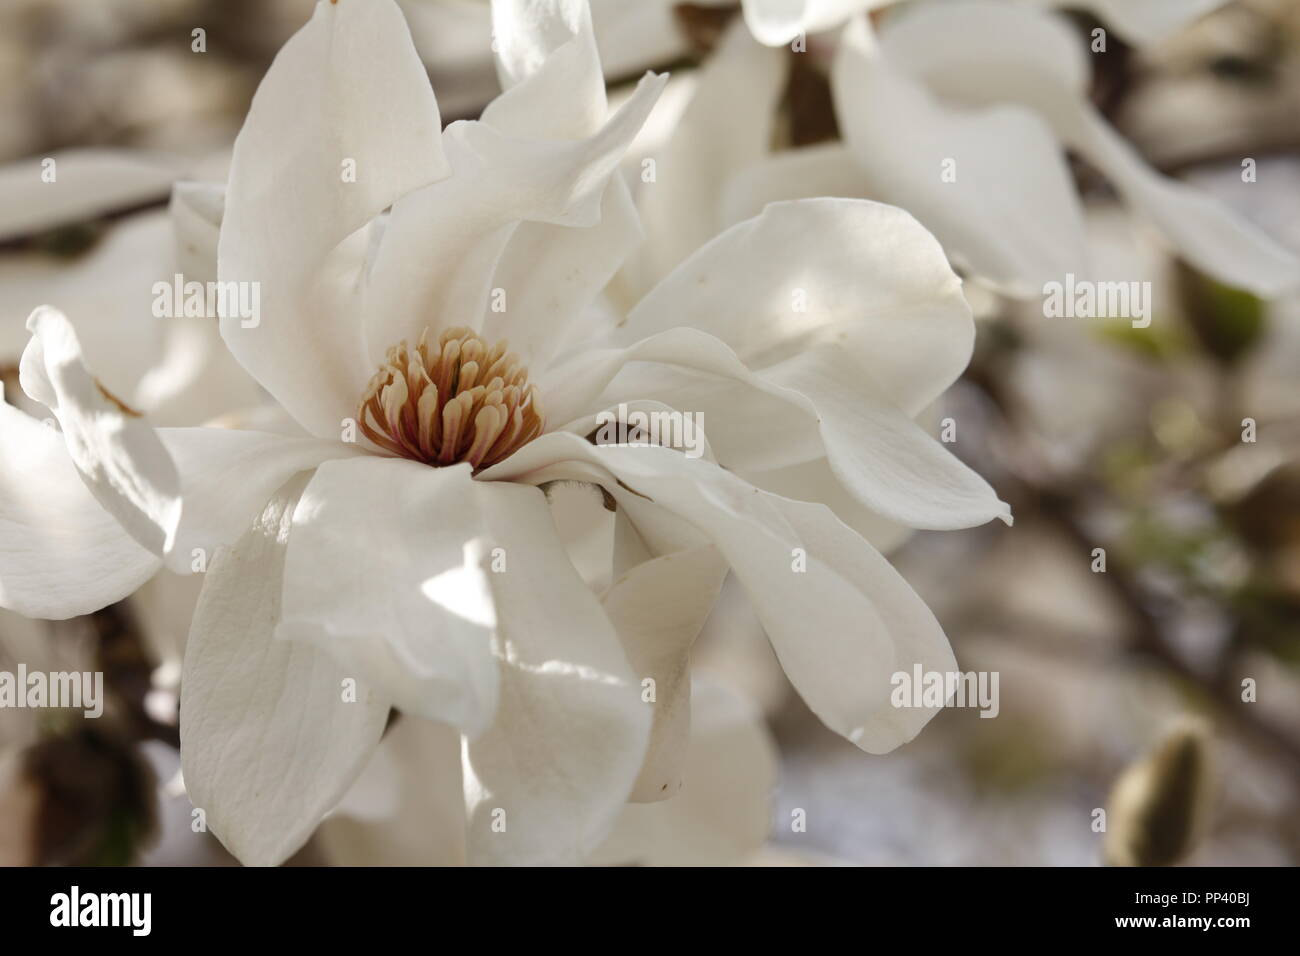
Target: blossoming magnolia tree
398, 552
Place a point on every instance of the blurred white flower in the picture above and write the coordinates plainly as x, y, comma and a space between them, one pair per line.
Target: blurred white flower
806, 338
777, 22
958, 112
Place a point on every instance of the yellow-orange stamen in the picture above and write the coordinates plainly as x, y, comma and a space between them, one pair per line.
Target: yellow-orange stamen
454, 401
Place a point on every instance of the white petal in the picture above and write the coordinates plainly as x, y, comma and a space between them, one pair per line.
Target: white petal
348, 88
749, 423
827, 169
816, 481
119, 456
108, 289
549, 69
1011, 214
724, 810
407, 808
916, 636
61, 553
1040, 64
635, 36
163, 608
727, 125
832, 625
196, 379
551, 274
867, 279
455, 42
196, 211
269, 741
658, 609
777, 22
87, 183
442, 245
887, 461
227, 475
383, 572
819, 397
557, 765
1204, 230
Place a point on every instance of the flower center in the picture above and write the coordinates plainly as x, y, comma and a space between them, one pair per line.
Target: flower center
453, 401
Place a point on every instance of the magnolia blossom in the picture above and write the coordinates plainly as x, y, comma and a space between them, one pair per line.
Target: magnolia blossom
398, 551
959, 112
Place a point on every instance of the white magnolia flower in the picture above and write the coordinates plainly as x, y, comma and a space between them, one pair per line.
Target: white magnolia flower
418, 566
959, 112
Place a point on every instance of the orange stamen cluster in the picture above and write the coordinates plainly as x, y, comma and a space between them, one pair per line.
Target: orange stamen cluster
454, 401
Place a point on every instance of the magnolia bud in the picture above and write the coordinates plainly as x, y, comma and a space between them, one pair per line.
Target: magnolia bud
1160, 804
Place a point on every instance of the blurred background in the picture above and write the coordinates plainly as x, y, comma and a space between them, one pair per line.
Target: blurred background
1120, 690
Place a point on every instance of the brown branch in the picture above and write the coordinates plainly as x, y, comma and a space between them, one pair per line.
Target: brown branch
1036, 491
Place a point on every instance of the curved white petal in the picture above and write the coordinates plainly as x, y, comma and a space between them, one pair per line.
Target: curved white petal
549, 69
827, 169
407, 807
196, 380
442, 245
748, 422
343, 124
196, 211
727, 125
884, 459
545, 783
86, 183
814, 404
119, 456
226, 477
840, 626
635, 36
777, 22
270, 740
857, 275
991, 184
108, 289
61, 553
916, 636
724, 810
554, 89
816, 481
658, 609
1204, 230
384, 573
550, 274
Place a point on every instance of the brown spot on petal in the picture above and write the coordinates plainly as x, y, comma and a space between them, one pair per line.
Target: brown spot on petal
122, 406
